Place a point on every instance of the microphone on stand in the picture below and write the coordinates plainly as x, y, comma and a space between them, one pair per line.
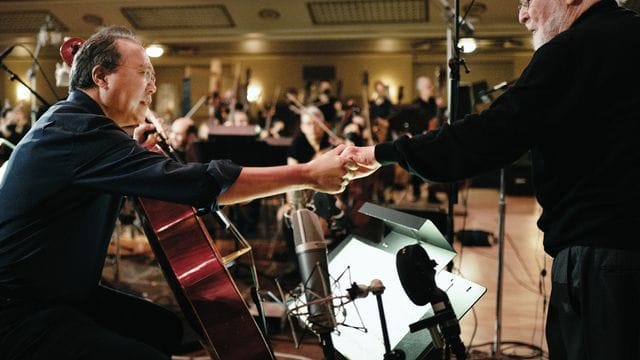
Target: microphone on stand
311, 251
417, 276
497, 87
376, 288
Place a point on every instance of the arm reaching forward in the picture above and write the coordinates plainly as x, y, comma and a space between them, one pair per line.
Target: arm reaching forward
328, 173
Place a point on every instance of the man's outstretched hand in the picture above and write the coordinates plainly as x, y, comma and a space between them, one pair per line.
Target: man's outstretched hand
364, 159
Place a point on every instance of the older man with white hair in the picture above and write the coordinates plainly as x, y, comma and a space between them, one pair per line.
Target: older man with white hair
576, 108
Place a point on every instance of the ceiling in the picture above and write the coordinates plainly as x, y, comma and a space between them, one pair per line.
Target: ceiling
236, 27
201, 28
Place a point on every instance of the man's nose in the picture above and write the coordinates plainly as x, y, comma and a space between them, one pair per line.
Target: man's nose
523, 15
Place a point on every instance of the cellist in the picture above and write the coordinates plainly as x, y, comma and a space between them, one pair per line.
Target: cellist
65, 183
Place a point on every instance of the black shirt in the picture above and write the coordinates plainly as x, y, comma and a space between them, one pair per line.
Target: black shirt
302, 151
427, 110
577, 107
62, 191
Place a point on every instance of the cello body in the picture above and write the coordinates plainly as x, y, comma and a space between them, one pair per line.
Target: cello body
201, 283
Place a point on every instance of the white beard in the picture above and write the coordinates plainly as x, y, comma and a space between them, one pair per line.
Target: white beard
552, 27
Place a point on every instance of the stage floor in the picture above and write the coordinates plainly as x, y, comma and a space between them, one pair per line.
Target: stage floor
524, 291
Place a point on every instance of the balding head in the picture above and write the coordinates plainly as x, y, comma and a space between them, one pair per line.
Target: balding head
183, 133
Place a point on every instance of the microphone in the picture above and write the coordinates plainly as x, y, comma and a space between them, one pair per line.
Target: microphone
6, 52
359, 291
416, 271
313, 263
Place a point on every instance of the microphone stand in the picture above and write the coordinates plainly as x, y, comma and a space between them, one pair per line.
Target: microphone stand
42, 38
13, 76
502, 208
389, 354
454, 61
495, 352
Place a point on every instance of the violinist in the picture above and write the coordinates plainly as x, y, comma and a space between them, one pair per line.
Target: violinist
380, 110
310, 140
65, 182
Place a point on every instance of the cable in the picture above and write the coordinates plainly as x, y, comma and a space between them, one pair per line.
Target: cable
464, 17
536, 352
44, 75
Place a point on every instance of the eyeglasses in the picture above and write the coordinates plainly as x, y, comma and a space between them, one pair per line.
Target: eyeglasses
523, 4
149, 74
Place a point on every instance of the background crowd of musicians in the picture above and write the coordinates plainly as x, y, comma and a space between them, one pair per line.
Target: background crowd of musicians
360, 121
319, 121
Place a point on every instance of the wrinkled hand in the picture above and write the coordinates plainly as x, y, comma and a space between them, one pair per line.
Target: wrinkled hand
331, 173
364, 159
141, 135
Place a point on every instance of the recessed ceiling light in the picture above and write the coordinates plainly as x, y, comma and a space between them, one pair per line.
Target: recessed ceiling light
155, 50
269, 14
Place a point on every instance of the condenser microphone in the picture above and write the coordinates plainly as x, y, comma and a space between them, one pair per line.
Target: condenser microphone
6, 52
311, 251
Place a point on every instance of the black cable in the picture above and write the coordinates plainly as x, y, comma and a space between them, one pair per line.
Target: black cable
464, 17
44, 75
536, 351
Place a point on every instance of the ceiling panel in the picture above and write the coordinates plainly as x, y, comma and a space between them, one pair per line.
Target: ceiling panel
178, 17
16, 22
368, 12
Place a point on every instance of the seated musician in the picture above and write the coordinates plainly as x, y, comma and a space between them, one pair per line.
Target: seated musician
65, 183
182, 136
310, 140
430, 109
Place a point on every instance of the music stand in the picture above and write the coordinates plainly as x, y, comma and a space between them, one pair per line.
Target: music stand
368, 260
241, 145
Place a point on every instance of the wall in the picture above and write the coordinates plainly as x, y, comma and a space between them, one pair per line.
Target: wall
285, 71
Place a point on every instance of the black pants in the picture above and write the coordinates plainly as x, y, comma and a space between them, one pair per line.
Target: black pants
111, 325
594, 308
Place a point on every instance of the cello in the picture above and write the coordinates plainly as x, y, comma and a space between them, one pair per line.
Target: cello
195, 271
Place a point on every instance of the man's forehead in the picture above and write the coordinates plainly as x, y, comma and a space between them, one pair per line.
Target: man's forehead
133, 53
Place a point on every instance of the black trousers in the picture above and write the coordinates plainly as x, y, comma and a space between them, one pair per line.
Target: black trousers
594, 309
111, 325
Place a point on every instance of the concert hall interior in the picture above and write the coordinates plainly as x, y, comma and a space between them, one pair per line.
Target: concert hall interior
277, 82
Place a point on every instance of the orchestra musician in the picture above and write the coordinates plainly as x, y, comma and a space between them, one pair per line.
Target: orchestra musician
182, 136
65, 183
429, 108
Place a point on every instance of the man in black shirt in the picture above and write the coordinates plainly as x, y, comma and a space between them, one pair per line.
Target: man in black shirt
585, 161
60, 197
429, 110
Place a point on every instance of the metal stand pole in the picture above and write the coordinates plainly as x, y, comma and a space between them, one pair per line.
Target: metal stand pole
453, 60
501, 223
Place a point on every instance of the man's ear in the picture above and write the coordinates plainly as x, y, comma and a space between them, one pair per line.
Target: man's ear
99, 76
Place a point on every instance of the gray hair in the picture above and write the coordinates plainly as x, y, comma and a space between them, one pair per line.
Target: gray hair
99, 49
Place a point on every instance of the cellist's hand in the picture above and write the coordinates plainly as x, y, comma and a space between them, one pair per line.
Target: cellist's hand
364, 159
145, 135
330, 172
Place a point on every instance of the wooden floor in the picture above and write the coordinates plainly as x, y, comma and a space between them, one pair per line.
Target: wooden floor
524, 290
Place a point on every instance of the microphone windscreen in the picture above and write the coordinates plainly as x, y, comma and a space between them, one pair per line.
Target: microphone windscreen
306, 228
416, 272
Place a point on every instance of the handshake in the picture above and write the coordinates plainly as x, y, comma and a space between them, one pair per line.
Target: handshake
332, 171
